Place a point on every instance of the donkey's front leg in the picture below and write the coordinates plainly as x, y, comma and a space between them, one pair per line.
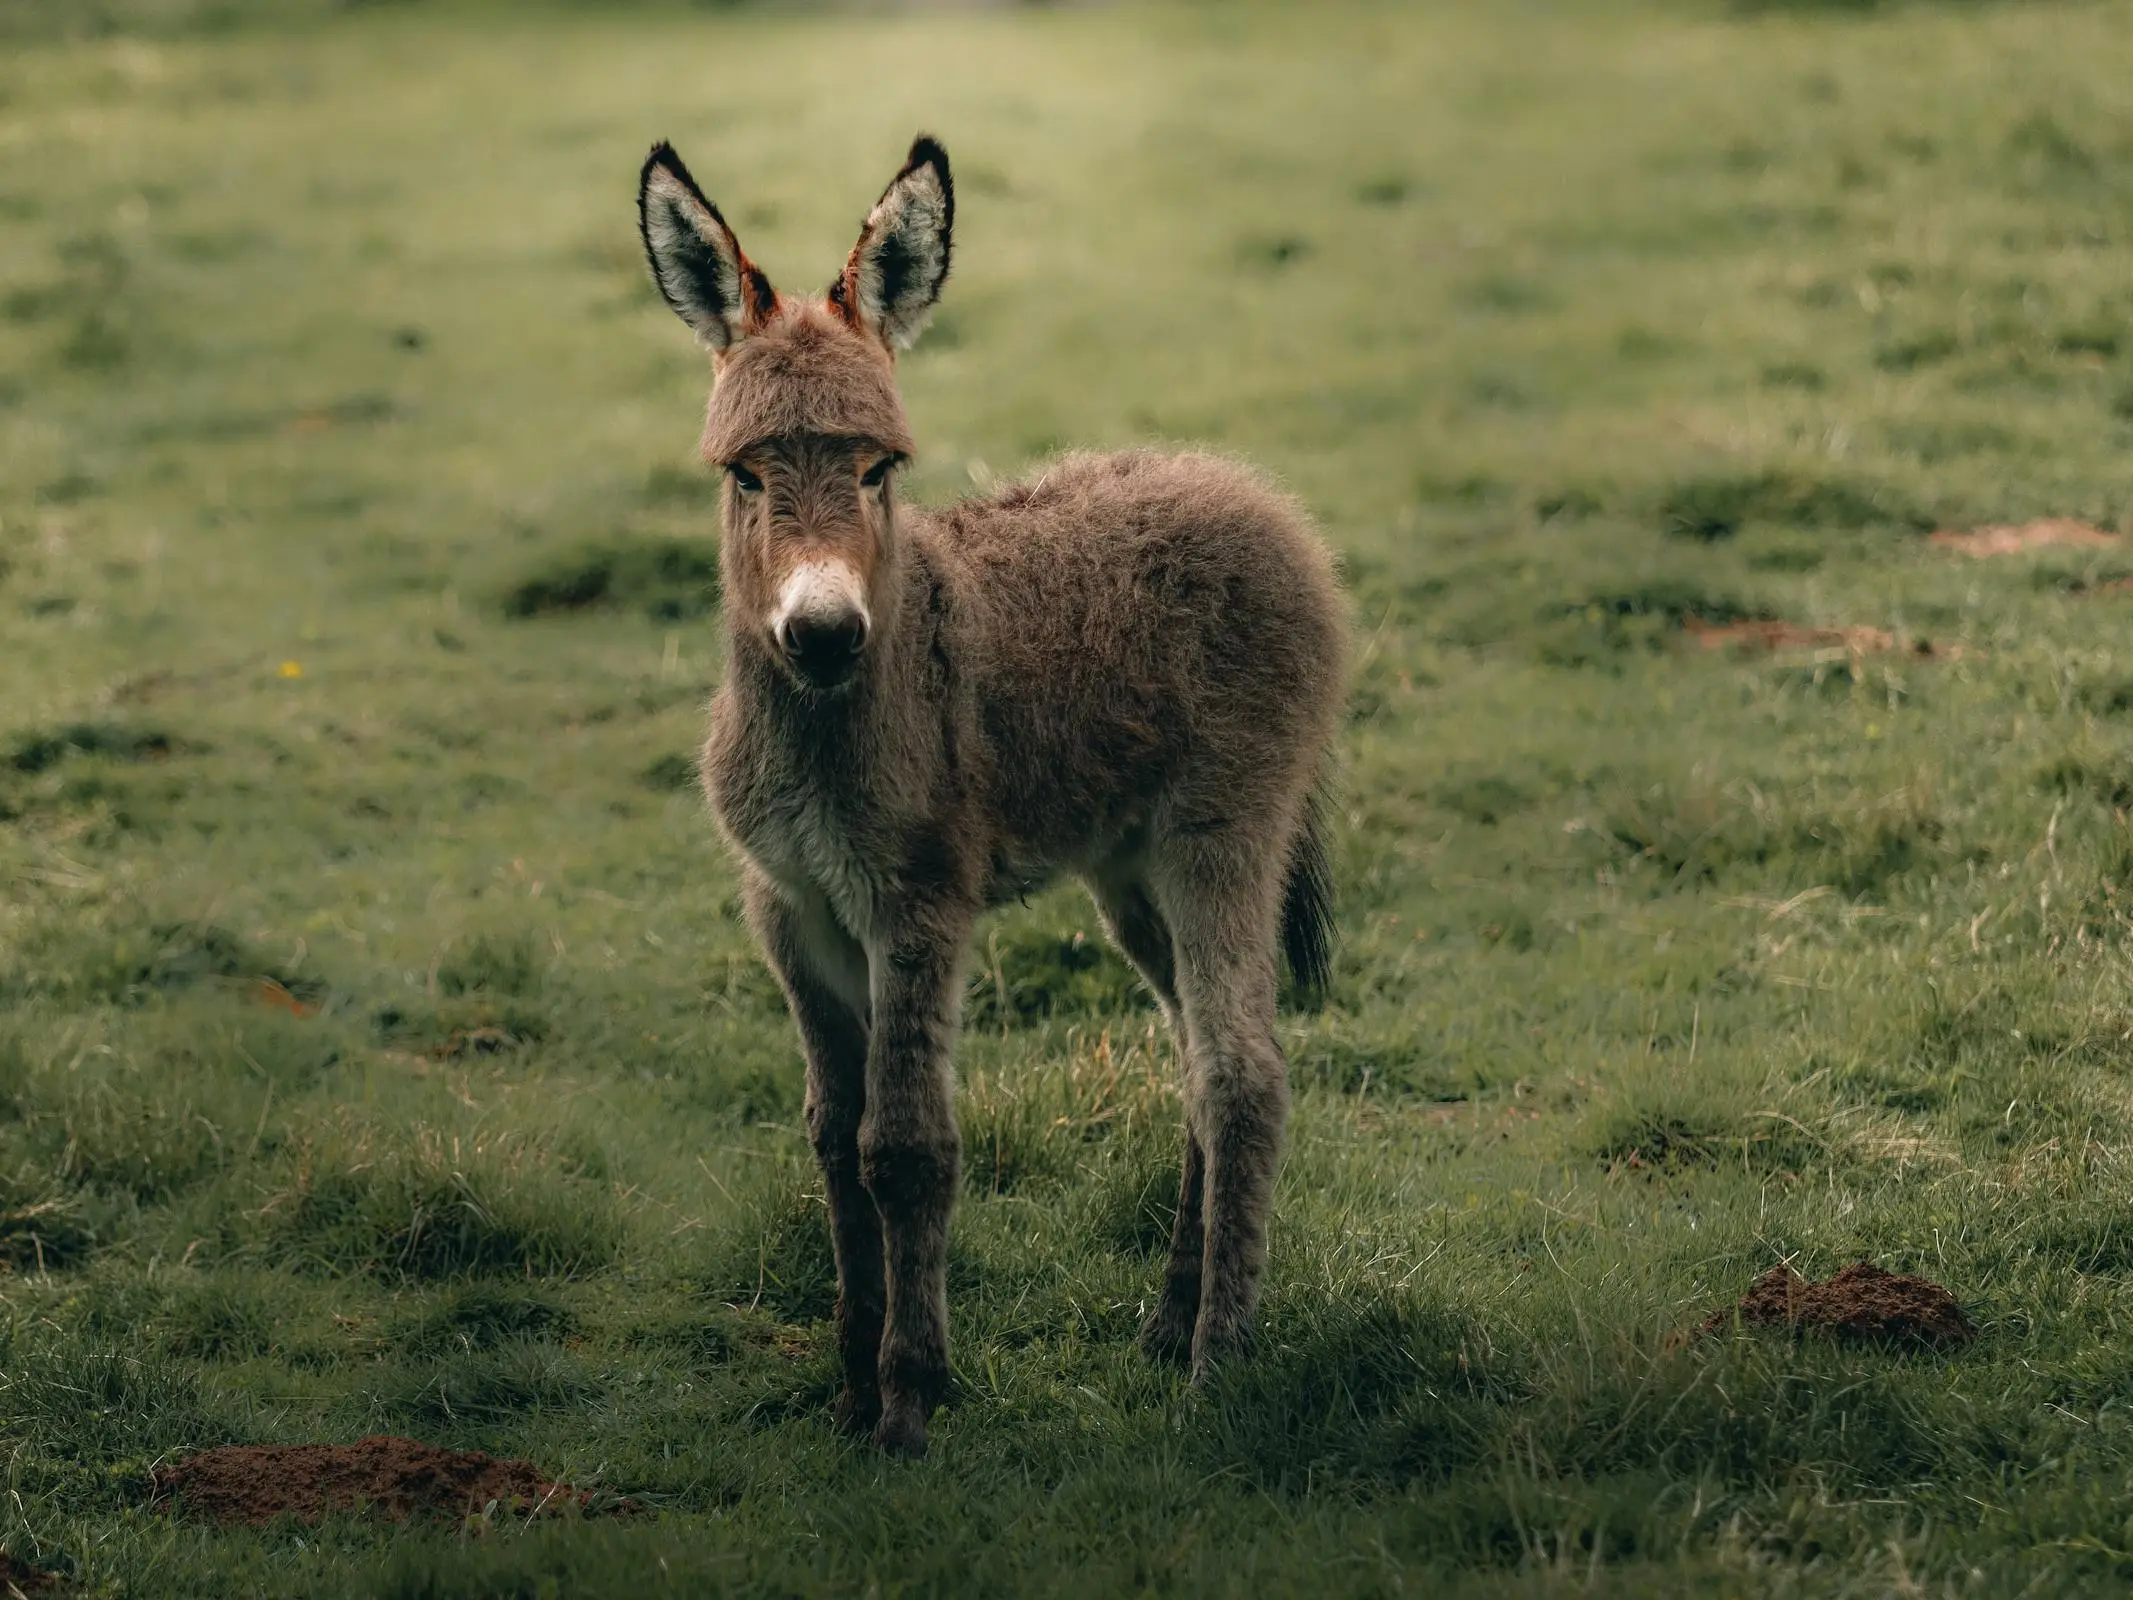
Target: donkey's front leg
911, 1155
824, 973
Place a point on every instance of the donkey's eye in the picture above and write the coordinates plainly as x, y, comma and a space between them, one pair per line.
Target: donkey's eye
878, 474
744, 480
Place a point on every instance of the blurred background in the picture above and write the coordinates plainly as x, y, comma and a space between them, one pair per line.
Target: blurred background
1733, 856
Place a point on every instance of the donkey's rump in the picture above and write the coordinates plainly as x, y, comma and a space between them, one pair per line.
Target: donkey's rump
1149, 625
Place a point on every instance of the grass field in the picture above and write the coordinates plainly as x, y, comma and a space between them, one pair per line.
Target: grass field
381, 1051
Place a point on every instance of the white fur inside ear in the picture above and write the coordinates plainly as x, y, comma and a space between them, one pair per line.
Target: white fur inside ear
693, 258
904, 256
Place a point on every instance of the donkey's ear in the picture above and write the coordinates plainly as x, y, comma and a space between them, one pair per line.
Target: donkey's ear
897, 268
695, 259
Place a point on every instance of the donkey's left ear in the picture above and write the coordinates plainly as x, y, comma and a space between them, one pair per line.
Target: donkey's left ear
897, 268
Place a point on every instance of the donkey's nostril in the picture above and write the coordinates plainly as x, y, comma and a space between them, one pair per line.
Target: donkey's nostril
823, 647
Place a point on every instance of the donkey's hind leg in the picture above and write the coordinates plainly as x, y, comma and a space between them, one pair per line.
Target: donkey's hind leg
824, 975
1139, 929
1221, 895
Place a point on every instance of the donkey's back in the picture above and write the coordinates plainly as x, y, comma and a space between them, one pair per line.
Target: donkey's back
1156, 643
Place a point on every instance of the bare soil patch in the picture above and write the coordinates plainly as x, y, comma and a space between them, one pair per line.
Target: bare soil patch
396, 1479
1767, 633
1862, 1302
2007, 539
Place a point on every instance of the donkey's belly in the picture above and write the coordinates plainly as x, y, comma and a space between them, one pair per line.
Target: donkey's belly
1016, 876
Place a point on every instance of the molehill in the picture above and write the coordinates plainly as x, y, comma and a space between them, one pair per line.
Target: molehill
1863, 1302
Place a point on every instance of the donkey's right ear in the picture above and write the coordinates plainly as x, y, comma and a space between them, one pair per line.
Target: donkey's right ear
695, 260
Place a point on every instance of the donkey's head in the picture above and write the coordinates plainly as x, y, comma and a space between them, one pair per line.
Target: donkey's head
804, 416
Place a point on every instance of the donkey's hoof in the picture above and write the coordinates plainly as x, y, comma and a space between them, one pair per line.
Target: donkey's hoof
1167, 1336
855, 1411
1210, 1354
901, 1433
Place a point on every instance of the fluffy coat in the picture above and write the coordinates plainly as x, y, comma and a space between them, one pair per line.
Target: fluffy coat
1128, 668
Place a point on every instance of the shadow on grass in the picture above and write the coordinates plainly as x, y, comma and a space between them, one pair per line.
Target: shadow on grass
130, 965
94, 1416
436, 1208
1027, 976
1709, 509
668, 580
1862, 848
775, 1254
521, 1378
1679, 1136
1387, 1390
486, 1316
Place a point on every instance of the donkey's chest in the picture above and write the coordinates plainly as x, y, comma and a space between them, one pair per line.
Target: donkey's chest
791, 824
807, 845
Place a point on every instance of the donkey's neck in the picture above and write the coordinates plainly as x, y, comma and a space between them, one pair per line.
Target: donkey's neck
808, 727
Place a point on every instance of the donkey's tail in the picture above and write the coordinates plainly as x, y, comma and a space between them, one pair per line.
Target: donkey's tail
1307, 904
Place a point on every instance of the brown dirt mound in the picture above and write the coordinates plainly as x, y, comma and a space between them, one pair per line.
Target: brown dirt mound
396, 1479
18, 1577
1861, 1302
2009, 539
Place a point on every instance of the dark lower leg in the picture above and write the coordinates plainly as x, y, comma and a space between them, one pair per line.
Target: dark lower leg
910, 1157
1141, 932
915, 1190
1221, 893
855, 1236
1244, 1119
823, 972
1167, 1334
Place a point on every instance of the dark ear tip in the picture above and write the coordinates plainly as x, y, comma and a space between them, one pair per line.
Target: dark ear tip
665, 158
927, 151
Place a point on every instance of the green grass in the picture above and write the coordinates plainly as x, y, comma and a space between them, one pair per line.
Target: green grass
380, 1048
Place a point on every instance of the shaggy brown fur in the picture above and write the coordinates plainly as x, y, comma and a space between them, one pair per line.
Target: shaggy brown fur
1128, 668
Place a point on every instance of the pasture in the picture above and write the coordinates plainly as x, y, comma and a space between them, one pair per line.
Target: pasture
380, 1051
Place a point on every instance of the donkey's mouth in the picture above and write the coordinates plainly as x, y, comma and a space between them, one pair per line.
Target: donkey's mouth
828, 677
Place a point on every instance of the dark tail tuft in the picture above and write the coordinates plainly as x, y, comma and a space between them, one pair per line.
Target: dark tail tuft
1307, 906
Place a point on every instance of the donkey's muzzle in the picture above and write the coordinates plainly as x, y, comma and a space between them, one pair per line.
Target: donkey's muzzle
823, 649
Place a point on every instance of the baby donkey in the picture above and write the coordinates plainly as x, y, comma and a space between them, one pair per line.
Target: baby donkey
1128, 668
